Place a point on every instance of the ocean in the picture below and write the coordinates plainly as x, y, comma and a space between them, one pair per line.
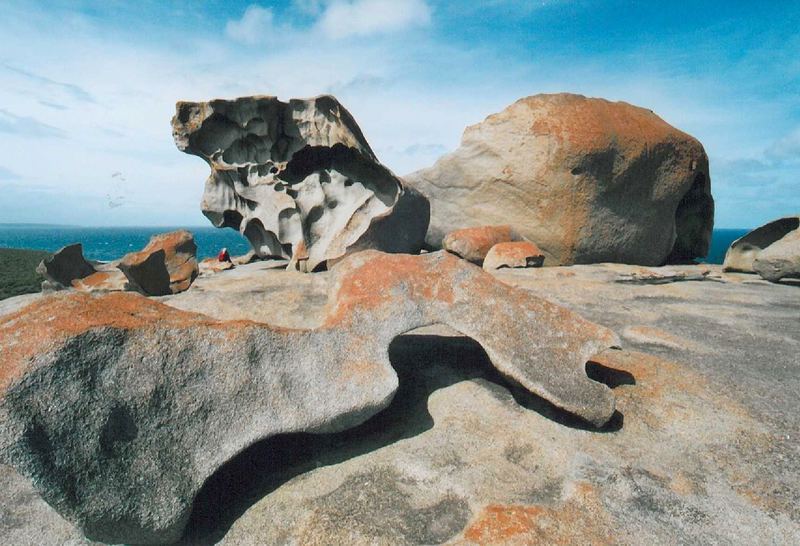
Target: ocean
110, 243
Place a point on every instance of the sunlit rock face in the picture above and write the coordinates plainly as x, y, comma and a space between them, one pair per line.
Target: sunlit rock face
587, 180
298, 179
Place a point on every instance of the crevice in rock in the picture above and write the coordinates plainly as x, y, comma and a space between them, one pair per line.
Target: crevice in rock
694, 213
264, 466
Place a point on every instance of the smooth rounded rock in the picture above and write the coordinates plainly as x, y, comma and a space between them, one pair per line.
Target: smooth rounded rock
587, 179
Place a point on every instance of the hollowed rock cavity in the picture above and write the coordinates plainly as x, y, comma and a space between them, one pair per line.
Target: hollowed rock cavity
298, 179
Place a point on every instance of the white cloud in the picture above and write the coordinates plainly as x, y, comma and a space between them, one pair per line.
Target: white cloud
786, 149
256, 25
343, 18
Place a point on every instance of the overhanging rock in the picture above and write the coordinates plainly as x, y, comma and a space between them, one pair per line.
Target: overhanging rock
118, 408
298, 179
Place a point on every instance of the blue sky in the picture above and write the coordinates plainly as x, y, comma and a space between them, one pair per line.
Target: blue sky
87, 88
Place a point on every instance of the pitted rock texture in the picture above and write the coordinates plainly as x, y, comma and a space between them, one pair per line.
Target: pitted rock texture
473, 244
167, 265
743, 252
587, 179
63, 267
517, 254
298, 179
118, 408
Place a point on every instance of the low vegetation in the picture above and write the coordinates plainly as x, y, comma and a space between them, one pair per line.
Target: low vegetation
18, 271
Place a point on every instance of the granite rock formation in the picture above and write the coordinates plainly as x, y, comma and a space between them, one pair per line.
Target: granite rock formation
167, 265
298, 179
63, 267
118, 408
587, 179
781, 259
474, 243
744, 251
513, 255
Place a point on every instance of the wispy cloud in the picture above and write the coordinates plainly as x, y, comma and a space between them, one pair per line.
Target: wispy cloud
256, 25
7, 174
343, 18
786, 148
75, 91
25, 126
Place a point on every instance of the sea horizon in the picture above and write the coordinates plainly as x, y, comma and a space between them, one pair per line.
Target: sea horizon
106, 243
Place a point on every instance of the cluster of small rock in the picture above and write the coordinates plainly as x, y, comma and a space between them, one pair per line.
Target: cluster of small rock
167, 265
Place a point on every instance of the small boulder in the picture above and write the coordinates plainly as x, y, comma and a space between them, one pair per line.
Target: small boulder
64, 266
513, 254
743, 252
781, 259
167, 265
473, 244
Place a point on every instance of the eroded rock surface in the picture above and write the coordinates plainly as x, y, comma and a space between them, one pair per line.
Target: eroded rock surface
745, 251
588, 180
118, 408
167, 265
781, 259
516, 254
63, 267
474, 243
298, 179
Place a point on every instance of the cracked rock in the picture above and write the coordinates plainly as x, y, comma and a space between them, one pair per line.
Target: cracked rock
119, 408
167, 265
298, 179
63, 267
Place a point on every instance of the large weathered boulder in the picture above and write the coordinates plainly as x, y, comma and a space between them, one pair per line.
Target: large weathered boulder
167, 265
781, 259
514, 255
63, 267
744, 251
298, 179
118, 408
474, 243
587, 179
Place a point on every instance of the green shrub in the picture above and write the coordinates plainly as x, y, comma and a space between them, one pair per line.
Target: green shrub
18, 271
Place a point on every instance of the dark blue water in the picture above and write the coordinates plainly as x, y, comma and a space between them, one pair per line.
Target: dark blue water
721, 239
107, 244
112, 243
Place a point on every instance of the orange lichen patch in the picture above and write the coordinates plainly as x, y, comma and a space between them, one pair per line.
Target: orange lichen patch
95, 280
53, 319
374, 282
581, 520
477, 241
514, 254
594, 124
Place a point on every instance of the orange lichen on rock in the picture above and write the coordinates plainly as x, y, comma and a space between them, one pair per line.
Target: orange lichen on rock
375, 281
590, 124
474, 243
580, 520
48, 321
513, 254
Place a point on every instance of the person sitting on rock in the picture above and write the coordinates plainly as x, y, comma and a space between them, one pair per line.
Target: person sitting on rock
223, 255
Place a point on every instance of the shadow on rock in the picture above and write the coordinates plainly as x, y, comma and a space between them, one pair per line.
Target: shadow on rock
424, 364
